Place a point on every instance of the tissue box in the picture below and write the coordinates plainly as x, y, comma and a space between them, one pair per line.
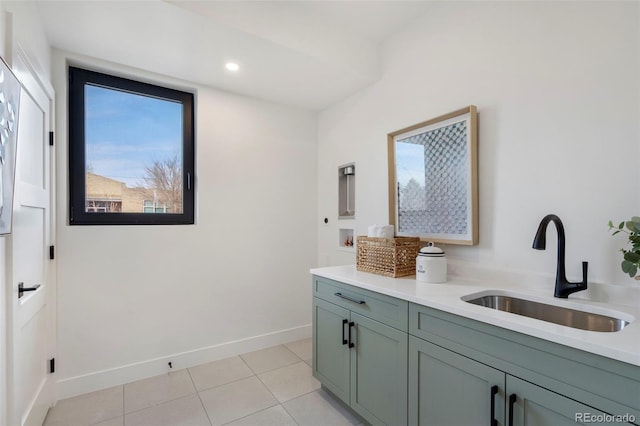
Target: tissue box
391, 257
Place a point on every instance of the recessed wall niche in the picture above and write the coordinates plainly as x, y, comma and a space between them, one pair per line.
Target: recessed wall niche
347, 191
346, 239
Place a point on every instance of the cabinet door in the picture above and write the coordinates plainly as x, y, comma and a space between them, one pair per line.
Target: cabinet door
446, 388
330, 353
536, 406
379, 372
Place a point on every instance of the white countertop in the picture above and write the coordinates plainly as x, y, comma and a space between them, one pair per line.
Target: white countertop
617, 301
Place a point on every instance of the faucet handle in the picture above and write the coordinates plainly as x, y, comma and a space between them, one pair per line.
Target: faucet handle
585, 268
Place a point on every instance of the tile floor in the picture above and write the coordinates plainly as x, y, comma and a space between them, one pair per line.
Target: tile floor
273, 386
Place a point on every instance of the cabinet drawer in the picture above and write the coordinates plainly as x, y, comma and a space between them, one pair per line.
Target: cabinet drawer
380, 307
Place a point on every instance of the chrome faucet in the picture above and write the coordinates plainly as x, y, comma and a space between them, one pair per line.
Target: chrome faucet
563, 287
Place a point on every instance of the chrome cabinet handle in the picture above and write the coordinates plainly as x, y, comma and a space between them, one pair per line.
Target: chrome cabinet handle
350, 299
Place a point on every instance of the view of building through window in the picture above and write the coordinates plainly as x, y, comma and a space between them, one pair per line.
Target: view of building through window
133, 146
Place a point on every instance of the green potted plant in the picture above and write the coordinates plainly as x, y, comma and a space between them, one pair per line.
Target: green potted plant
631, 262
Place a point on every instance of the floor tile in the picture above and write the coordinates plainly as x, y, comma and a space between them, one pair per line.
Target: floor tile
290, 382
319, 409
156, 390
302, 348
118, 421
274, 416
236, 400
87, 409
185, 411
269, 359
218, 373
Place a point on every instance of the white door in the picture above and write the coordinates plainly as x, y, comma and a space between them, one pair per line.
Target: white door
31, 339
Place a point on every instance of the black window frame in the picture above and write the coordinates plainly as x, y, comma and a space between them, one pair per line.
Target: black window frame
78, 78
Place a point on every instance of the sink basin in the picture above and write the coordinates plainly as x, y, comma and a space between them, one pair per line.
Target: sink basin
556, 314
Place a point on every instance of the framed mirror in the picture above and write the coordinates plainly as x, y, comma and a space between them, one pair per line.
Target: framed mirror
433, 179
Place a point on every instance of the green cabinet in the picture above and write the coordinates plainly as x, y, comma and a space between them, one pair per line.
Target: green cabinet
331, 358
379, 372
357, 357
398, 363
449, 389
533, 405
462, 372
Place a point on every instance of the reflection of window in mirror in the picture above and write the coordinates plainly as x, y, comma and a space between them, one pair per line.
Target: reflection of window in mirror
433, 179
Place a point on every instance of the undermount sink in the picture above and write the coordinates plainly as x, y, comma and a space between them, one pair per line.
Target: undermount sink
555, 314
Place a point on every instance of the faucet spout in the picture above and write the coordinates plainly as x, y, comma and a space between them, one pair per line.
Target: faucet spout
563, 287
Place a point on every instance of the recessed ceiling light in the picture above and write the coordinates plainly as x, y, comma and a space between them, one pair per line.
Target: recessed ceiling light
232, 66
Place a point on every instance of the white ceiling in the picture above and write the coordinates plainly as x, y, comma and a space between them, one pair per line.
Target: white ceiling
308, 54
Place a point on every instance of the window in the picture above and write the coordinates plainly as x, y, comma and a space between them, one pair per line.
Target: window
131, 152
154, 207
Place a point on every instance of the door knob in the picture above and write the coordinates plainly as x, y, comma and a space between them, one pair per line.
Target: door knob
22, 289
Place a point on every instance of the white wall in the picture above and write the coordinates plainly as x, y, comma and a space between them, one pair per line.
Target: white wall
557, 88
132, 298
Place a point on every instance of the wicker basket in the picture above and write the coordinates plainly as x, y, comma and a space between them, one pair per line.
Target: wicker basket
392, 257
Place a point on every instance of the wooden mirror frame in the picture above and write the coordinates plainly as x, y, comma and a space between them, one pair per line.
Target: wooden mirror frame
470, 115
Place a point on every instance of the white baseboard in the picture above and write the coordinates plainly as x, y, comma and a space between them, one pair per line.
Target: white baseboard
78, 385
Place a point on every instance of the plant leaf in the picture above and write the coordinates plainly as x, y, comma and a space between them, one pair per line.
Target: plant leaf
610, 224
630, 226
621, 225
626, 266
616, 232
635, 219
632, 257
633, 271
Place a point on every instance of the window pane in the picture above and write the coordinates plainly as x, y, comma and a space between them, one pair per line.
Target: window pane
133, 148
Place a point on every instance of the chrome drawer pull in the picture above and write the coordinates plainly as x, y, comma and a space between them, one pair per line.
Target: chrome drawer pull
350, 299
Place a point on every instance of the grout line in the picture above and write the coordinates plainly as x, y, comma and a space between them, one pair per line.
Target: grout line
228, 383
289, 414
275, 368
206, 413
291, 399
259, 411
267, 387
295, 354
285, 345
156, 404
245, 363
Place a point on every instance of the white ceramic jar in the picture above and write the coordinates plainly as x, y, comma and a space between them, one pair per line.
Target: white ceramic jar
431, 265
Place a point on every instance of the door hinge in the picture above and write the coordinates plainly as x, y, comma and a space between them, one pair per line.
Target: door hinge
52, 253
52, 365
51, 137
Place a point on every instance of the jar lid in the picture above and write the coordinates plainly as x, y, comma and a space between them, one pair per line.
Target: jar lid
431, 251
